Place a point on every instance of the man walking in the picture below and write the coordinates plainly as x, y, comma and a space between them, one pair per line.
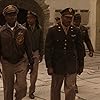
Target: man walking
85, 37
14, 42
36, 34
64, 56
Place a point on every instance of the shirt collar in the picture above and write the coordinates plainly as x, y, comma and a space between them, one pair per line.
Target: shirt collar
12, 27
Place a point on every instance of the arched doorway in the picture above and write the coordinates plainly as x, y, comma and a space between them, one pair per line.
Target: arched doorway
98, 25
38, 6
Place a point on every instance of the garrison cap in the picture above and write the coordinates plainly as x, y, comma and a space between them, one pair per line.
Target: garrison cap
68, 12
77, 16
10, 9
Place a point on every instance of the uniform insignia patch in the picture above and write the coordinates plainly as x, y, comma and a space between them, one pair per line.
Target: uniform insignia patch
73, 35
20, 38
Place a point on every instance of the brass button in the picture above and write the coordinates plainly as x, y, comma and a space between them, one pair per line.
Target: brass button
65, 40
65, 44
64, 48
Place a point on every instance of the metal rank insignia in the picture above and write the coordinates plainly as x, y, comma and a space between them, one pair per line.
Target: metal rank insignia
59, 28
20, 38
70, 10
73, 35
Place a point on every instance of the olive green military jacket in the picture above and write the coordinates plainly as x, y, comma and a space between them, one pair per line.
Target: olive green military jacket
64, 52
86, 39
37, 38
14, 43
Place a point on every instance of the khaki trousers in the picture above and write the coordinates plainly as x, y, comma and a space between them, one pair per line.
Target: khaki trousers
34, 74
69, 86
14, 76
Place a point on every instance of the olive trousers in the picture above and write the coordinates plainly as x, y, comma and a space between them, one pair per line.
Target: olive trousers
69, 86
14, 77
34, 74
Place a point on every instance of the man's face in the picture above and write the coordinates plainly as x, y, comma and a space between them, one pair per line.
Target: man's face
66, 20
31, 19
77, 22
11, 18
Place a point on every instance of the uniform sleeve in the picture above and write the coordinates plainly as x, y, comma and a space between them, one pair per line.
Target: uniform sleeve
28, 47
88, 41
80, 49
49, 49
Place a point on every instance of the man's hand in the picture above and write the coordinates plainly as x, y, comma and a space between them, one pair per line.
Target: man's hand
30, 67
40, 58
91, 54
50, 71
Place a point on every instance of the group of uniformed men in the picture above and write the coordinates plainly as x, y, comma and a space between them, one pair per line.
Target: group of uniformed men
64, 53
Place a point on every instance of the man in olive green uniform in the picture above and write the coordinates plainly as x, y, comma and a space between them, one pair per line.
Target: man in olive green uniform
64, 56
36, 33
85, 36
14, 42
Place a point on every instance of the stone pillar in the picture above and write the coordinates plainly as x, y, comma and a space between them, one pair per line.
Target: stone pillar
92, 22
51, 4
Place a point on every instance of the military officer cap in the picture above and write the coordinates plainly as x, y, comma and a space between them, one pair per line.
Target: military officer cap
10, 9
68, 12
77, 16
32, 13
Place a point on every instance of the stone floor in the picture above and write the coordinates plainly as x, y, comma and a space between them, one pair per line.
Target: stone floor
88, 82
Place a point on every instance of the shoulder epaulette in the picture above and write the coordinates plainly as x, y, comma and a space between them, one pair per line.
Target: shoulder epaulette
83, 27
21, 26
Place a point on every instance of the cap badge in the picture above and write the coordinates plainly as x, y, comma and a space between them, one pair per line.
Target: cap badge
70, 9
